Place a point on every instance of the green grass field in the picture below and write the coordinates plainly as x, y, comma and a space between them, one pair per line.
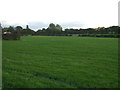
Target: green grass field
60, 62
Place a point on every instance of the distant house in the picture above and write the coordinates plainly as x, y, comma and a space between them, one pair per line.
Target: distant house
7, 33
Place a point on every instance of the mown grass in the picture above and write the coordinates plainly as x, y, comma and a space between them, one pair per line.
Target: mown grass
60, 62
0, 63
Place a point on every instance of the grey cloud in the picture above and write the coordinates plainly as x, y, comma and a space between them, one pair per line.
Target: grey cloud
40, 25
72, 25
37, 25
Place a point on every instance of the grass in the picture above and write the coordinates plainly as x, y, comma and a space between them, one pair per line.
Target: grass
60, 62
0, 63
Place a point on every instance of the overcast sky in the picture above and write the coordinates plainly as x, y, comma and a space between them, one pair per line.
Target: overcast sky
68, 13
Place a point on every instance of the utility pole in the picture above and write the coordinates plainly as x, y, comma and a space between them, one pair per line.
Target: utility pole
0, 32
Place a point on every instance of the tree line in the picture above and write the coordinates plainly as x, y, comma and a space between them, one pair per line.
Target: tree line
57, 30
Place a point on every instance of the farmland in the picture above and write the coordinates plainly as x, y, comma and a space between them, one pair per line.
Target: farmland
60, 62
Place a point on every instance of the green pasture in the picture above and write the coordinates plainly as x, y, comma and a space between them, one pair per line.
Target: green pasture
60, 62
